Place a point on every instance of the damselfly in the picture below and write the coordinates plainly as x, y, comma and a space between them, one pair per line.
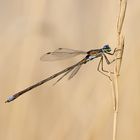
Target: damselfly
63, 53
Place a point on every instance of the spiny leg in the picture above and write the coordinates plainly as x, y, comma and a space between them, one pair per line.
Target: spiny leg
108, 61
115, 50
101, 65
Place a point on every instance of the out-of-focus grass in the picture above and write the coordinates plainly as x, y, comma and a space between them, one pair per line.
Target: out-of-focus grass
78, 109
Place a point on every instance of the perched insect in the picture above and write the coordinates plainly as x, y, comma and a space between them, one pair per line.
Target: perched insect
63, 53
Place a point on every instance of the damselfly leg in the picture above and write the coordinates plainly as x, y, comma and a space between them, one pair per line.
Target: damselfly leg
102, 71
110, 62
115, 50
101, 63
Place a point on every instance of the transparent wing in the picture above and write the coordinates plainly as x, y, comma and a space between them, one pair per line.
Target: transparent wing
61, 54
62, 76
74, 72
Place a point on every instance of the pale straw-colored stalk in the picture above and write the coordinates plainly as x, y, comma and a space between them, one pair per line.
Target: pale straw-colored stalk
115, 76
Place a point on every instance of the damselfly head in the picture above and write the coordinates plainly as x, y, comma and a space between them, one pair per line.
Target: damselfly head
106, 48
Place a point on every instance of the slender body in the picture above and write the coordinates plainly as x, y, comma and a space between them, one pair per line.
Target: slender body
63, 53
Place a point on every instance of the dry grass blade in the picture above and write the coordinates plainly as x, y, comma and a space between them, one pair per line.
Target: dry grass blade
114, 82
123, 5
121, 42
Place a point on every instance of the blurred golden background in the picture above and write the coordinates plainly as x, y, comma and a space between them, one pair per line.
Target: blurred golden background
79, 109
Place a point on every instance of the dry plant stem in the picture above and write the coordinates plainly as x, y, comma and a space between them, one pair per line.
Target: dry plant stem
123, 5
115, 104
114, 82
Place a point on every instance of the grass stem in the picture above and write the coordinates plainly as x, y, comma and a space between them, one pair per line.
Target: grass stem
115, 76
